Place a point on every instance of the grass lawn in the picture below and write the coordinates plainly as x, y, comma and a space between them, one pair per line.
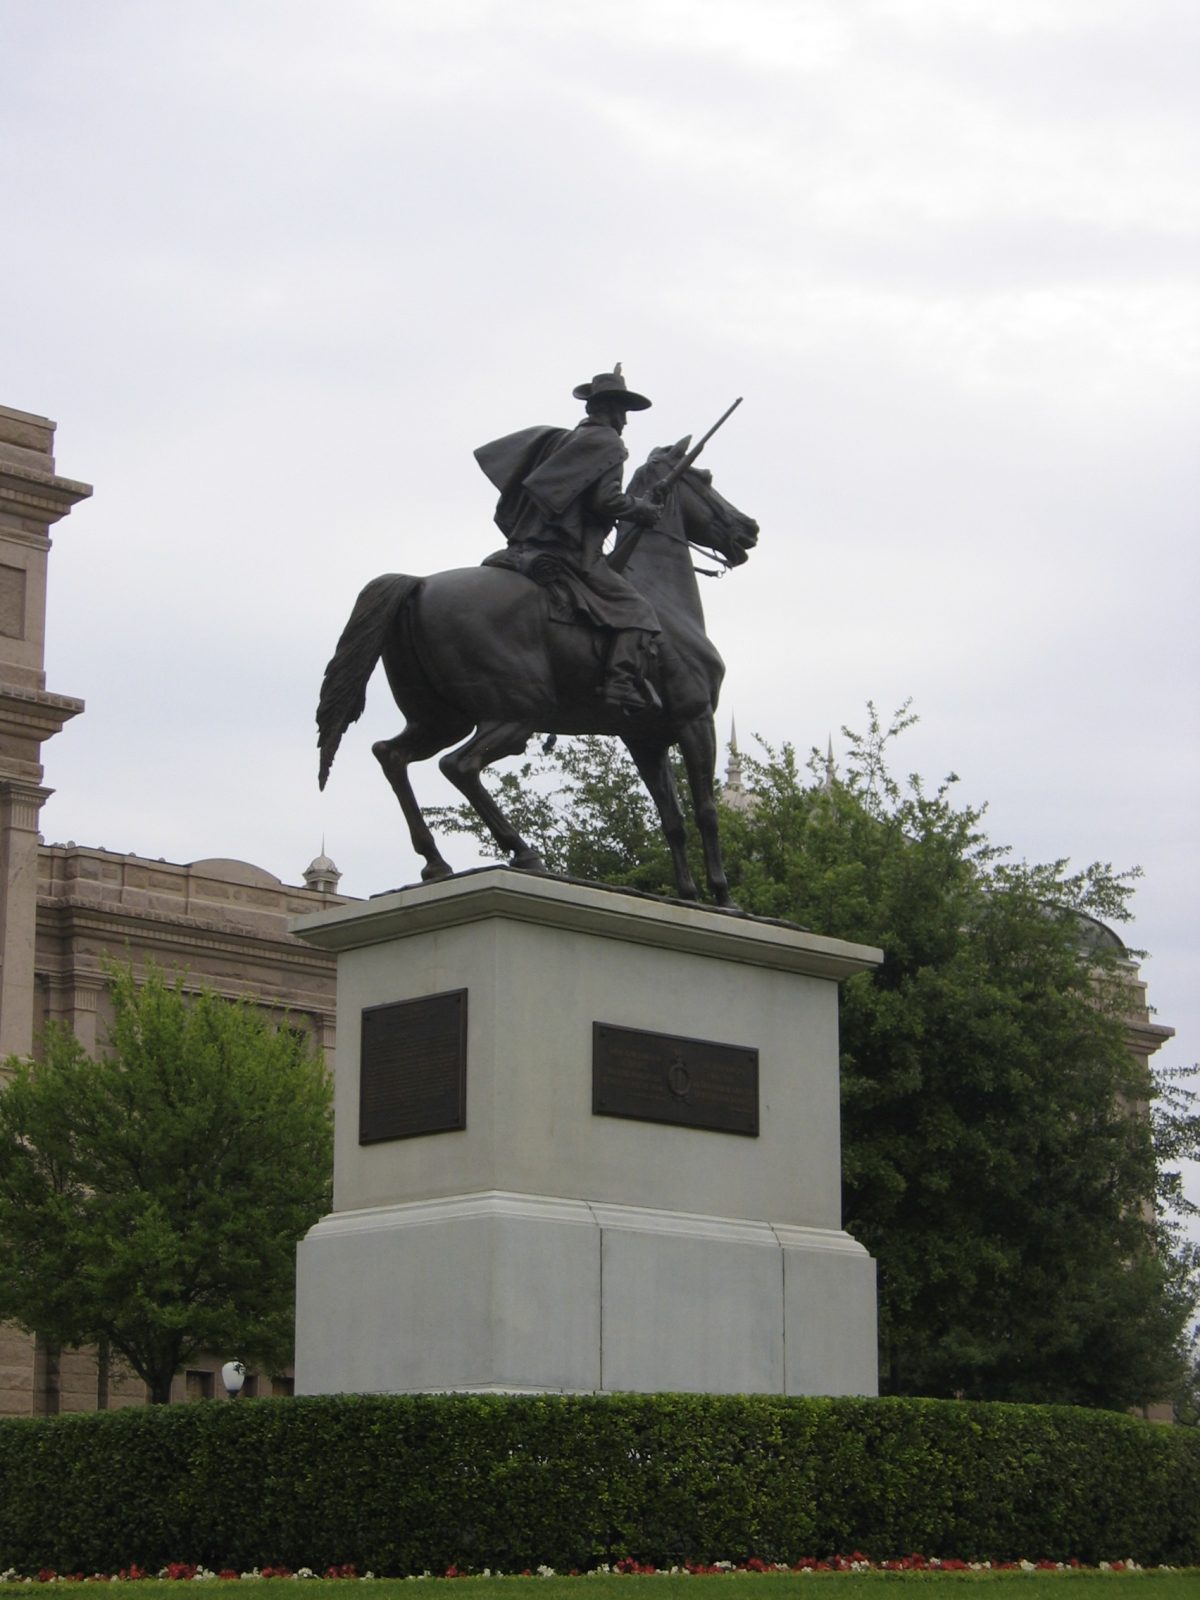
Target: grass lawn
1069, 1585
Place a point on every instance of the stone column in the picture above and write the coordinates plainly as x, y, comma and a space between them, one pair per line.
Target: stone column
32, 498
20, 806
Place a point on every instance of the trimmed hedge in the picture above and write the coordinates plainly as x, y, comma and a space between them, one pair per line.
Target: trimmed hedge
405, 1483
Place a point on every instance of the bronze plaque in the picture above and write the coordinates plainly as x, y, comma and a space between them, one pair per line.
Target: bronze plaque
656, 1077
413, 1068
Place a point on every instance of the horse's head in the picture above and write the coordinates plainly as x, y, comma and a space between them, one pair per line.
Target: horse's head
707, 518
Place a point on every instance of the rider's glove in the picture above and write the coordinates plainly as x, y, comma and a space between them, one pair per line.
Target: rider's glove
644, 512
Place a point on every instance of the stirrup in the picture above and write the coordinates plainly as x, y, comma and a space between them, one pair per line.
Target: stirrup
630, 696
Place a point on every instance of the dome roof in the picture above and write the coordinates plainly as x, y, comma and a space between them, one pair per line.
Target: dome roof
233, 871
1097, 935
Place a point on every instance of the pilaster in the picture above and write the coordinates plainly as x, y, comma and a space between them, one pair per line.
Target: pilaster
32, 498
20, 808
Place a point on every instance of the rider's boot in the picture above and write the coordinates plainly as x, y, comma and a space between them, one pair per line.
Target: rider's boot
626, 687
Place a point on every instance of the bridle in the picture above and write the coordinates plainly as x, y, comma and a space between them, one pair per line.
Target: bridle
723, 561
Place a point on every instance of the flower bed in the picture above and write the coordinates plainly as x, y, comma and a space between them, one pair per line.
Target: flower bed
189, 1571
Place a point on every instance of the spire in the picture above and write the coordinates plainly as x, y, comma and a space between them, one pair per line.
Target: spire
733, 790
830, 768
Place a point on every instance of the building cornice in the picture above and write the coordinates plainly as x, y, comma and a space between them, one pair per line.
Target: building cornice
35, 712
66, 916
39, 495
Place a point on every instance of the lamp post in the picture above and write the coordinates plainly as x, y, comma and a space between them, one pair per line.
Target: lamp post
233, 1376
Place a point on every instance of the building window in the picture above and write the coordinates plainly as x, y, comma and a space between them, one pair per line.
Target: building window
199, 1386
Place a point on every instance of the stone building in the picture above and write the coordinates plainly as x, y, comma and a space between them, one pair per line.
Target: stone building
66, 909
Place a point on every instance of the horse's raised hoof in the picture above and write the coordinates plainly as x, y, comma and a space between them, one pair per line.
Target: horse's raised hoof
528, 861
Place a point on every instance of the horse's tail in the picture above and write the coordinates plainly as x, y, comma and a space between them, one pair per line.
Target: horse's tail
344, 686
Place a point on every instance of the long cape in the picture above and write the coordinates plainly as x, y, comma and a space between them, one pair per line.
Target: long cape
550, 466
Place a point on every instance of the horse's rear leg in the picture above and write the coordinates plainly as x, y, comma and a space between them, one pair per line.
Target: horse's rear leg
417, 743
698, 742
463, 767
652, 759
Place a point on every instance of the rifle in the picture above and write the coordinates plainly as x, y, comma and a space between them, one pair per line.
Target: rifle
620, 557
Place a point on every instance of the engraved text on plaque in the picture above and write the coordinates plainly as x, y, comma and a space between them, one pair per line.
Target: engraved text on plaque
656, 1077
413, 1073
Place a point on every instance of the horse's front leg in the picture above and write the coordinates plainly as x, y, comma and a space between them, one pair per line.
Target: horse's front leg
463, 767
652, 759
698, 742
417, 743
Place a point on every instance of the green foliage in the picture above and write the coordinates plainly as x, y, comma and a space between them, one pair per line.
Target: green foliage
404, 1483
990, 1162
152, 1200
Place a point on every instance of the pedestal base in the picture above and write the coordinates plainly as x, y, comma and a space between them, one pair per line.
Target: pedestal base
520, 1292
532, 1238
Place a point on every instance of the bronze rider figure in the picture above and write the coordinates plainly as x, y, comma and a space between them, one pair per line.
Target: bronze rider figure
560, 495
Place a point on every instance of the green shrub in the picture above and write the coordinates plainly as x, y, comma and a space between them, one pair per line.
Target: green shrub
405, 1483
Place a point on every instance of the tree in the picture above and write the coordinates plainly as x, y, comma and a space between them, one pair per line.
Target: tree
991, 1160
997, 1160
151, 1200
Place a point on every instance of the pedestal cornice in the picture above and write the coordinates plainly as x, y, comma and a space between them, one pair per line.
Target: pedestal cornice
501, 892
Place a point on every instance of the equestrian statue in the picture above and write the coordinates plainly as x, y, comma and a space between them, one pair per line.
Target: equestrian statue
551, 635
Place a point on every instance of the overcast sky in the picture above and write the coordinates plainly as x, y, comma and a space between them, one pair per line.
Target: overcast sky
277, 267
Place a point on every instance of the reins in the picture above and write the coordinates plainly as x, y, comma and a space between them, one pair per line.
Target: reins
701, 572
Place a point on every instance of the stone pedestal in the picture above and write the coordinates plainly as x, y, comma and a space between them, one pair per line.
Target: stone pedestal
545, 1245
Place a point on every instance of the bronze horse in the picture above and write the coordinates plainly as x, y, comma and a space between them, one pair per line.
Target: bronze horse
474, 652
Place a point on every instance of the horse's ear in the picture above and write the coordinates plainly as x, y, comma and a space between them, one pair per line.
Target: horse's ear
681, 449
